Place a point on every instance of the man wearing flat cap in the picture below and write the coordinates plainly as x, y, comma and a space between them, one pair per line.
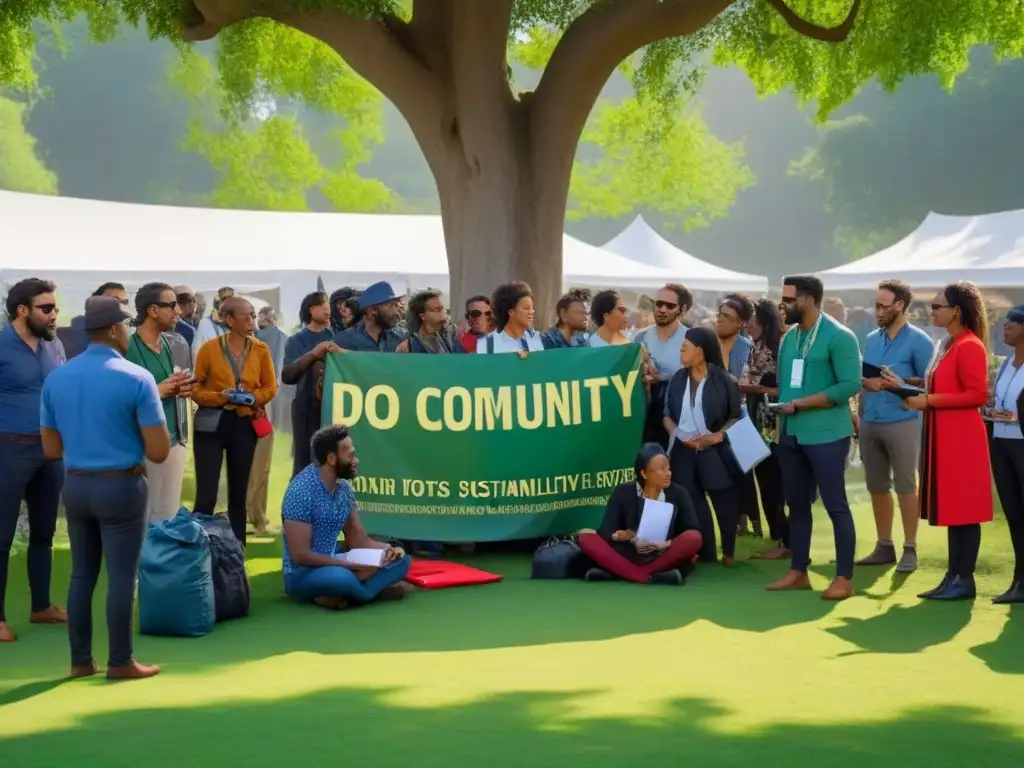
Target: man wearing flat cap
376, 332
102, 415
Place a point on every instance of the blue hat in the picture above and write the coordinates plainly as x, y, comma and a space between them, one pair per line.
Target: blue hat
103, 312
1016, 315
378, 293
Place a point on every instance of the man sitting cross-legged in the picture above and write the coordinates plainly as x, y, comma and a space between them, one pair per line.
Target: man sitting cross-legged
318, 505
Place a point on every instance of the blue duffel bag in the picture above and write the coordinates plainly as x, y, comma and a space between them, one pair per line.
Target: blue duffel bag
176, 595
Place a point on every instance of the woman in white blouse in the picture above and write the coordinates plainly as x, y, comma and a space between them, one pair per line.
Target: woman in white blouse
1006, 446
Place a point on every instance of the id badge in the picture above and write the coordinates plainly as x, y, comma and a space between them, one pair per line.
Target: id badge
796, 376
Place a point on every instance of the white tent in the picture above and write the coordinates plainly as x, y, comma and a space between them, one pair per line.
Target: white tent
82, 243
988, 250
639, 242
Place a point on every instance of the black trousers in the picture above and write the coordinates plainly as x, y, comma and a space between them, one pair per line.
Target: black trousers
726, 502
1008, 471
964, 545
235, 438
654, 425
769, 483
107, 522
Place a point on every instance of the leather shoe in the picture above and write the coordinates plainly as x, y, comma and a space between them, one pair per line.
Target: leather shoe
935, 590
841, 588
1015, 594
958, 588
792, 580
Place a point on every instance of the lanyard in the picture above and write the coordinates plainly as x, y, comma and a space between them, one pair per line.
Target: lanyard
144, 349
1001, 399
805, 346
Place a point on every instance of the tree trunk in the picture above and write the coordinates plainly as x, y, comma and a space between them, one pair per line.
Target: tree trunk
502, 222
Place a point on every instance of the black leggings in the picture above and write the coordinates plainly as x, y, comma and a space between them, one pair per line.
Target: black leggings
1008, 471
235, 437
769, 482
964, 545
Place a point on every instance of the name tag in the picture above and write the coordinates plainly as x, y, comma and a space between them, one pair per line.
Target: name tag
796, 376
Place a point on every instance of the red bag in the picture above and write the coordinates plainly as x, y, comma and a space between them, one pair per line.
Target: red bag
261, 424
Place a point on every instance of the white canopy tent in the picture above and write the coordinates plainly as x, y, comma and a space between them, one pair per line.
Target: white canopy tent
639, 242
987, 250
82, 243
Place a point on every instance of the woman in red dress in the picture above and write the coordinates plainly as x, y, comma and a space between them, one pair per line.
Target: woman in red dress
956, 477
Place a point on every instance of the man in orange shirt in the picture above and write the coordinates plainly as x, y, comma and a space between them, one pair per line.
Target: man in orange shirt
235, 380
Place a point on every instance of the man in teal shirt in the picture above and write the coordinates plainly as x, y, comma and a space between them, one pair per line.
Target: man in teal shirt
819, 369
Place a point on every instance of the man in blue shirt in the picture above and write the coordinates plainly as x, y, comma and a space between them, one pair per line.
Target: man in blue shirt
382, 312
890, 435
29, 352
186, 298
75, 337
318, 506
571, 329
304, 368
103, 416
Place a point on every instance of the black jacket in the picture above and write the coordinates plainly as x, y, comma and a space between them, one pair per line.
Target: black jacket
625, 508
716, 468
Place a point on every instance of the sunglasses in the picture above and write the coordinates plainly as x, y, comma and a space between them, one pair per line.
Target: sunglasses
477, 313
165, 304
46, 309
665, 305
937, 307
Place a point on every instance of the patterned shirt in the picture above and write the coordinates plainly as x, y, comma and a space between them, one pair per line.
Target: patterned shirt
760, 363
309, 501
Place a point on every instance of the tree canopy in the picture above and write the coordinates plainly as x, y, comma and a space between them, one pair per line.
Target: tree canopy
21, 168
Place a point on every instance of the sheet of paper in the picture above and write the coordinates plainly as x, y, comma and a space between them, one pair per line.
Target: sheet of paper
655, 520
747, 445
371, 557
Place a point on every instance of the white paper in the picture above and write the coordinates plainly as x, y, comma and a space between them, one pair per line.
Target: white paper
796, 375
655, 520
747, 445
370, 557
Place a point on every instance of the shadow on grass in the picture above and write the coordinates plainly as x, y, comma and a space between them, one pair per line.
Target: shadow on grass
362, 727
1005, 654
903, 629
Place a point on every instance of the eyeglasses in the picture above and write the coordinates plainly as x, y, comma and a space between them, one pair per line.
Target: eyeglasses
665, 305
46, 309
477, 313
937, 307
883, 307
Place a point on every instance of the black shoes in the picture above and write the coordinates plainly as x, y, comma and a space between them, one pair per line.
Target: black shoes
952, 588
1015, 594
673, 578
599, 574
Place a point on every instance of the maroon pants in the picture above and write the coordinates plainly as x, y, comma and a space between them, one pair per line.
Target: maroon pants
681, 551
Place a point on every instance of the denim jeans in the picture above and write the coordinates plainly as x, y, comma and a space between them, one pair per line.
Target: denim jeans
106, 524
25, 476
337, 581
824, 466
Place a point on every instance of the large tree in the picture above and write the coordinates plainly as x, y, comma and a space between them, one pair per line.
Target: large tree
21, 168
502, 159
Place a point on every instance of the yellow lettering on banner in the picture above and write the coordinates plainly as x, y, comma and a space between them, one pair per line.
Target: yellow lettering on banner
373, 417
577, 410
625, 390
490, 406
526, 421
559, 405
465, 419
343, 411
594, 385
429, 424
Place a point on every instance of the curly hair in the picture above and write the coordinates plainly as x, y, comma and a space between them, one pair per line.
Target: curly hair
505, 299
603, 303
417, 306
966, 297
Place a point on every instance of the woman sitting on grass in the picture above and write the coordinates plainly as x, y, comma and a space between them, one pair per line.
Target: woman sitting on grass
615, 546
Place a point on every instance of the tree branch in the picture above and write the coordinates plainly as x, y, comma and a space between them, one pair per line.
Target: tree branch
813, 31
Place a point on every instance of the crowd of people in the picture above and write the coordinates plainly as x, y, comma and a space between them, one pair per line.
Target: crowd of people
102, 415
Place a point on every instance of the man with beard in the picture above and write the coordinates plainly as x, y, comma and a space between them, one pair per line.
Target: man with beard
304, 368
664, 343
318, 506
382, 310
157, 348
29, 353
102, 415
890, 435
819, 370
427, 323
570, 330
480, 319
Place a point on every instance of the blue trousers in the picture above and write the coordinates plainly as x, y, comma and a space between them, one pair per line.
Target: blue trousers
25, 476
107, 520
337, 581
803, 468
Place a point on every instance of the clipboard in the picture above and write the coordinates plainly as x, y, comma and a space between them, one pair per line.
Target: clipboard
870, 371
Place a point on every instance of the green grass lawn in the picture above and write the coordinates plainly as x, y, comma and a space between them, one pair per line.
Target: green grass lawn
714, 673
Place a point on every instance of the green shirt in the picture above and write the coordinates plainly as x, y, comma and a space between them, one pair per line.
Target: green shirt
161, 366
832, 366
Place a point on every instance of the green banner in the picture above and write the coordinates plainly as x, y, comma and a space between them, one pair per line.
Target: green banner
487, 447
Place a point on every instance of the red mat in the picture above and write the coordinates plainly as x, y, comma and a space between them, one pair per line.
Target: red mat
438, 574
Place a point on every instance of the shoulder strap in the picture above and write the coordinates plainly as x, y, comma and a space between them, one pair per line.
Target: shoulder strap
490, 343
236, 366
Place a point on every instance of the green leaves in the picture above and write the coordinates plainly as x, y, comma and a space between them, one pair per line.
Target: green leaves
21, 169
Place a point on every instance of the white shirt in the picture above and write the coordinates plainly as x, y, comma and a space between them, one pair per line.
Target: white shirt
1008, 388
505, 343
